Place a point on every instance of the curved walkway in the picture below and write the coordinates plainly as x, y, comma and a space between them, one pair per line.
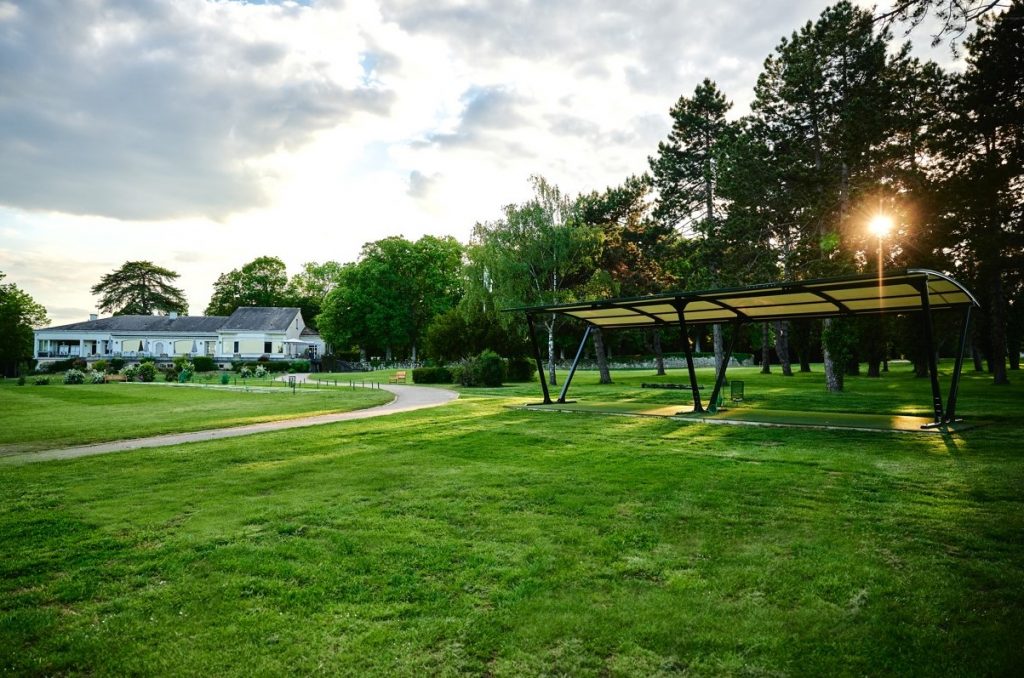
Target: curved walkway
407, 398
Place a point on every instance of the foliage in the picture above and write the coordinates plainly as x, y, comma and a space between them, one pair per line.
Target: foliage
225, 378
245, 372
74, 376
19, 313
61, 365
97, 377
130, 372
431, 375
308, 288
260, 372
519, 369
115, 365
204, 363
298, 366
261, 282
100, 366
145, 372
140, 288
41, 381
21, 380
385, 302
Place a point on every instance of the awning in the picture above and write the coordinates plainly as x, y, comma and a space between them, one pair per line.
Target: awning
908, 290
895, 291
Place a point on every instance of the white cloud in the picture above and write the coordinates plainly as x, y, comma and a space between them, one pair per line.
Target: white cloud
203, 134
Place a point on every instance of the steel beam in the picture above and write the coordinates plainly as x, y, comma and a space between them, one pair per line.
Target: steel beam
697, 406
933, 365
536, 355
720, 377
954, 385
575, 362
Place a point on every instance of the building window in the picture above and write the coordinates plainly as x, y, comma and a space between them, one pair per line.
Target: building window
267, 347
236, 347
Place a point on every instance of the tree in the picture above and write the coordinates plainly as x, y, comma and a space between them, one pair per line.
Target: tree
140, 288
387, 299
954, 15
686, 175
540, 253
983, 169
261, 282
19, 314
308, 288
821, 107
635, 255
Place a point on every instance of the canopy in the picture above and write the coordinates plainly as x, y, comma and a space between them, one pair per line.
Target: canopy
907, 290
894, 291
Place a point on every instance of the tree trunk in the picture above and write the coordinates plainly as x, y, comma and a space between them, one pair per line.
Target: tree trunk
696, 341
997, 327
874, 367
659, 357
833, 372
782, 347
550, 325
387, 354
719, 341
414, 355
802, 341
979, 363
766, 356
602, 357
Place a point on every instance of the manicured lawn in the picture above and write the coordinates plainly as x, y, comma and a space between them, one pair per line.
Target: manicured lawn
45, 417
476, 539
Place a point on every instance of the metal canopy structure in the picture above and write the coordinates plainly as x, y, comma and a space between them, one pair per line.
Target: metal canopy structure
904, 291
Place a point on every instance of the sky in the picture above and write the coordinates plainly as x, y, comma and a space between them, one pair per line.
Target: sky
201, 134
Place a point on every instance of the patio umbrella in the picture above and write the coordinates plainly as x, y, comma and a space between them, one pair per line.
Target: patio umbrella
195, 346
140, 344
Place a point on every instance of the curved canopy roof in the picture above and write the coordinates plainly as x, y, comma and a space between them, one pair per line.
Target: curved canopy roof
893, 292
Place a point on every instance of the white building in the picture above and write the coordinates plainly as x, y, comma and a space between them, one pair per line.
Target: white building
247, 334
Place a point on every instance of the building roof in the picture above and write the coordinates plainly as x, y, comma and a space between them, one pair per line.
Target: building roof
184, 324
308, 331
260, 318
892, 292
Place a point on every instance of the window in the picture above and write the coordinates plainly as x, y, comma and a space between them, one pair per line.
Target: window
236, 348
267, 347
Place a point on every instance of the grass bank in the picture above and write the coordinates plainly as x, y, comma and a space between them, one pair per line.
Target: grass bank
46, 417
473, 539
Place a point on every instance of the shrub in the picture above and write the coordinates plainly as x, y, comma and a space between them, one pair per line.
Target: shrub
41, 381
146, 371
459, 373
300, 366
97, 377
431, 375
79, 363
100, 366
348, 356
260, 372
225, 378
130, 372
116, 365
237, 365
74, 376
170, 375
519, 369
490, 368
21, 381
60, 365
203, 363
150, 359
245, 372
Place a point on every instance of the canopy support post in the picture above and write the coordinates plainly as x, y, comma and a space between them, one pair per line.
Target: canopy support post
697, 406
720, 377
929, 342
954, 386
575, 362
536, 355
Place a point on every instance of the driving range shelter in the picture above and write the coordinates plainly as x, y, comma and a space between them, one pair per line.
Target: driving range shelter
908, 291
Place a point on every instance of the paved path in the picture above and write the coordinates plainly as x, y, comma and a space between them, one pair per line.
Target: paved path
407, 398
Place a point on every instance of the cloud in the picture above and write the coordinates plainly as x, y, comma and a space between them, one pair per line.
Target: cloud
154, 110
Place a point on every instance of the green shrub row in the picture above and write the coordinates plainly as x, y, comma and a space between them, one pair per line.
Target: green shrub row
431, 375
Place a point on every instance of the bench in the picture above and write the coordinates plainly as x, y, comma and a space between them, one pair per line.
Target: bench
399, 378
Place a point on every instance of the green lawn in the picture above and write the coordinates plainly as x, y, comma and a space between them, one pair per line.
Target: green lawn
477, 539
45, 417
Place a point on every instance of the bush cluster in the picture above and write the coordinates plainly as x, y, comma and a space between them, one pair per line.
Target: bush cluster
431, 375
74, 376
41, 381
486, 369
518, 369
97, 377
116, 365
299, 366
260, 371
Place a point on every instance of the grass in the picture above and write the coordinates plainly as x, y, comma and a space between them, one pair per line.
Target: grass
477, 539
45, 417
